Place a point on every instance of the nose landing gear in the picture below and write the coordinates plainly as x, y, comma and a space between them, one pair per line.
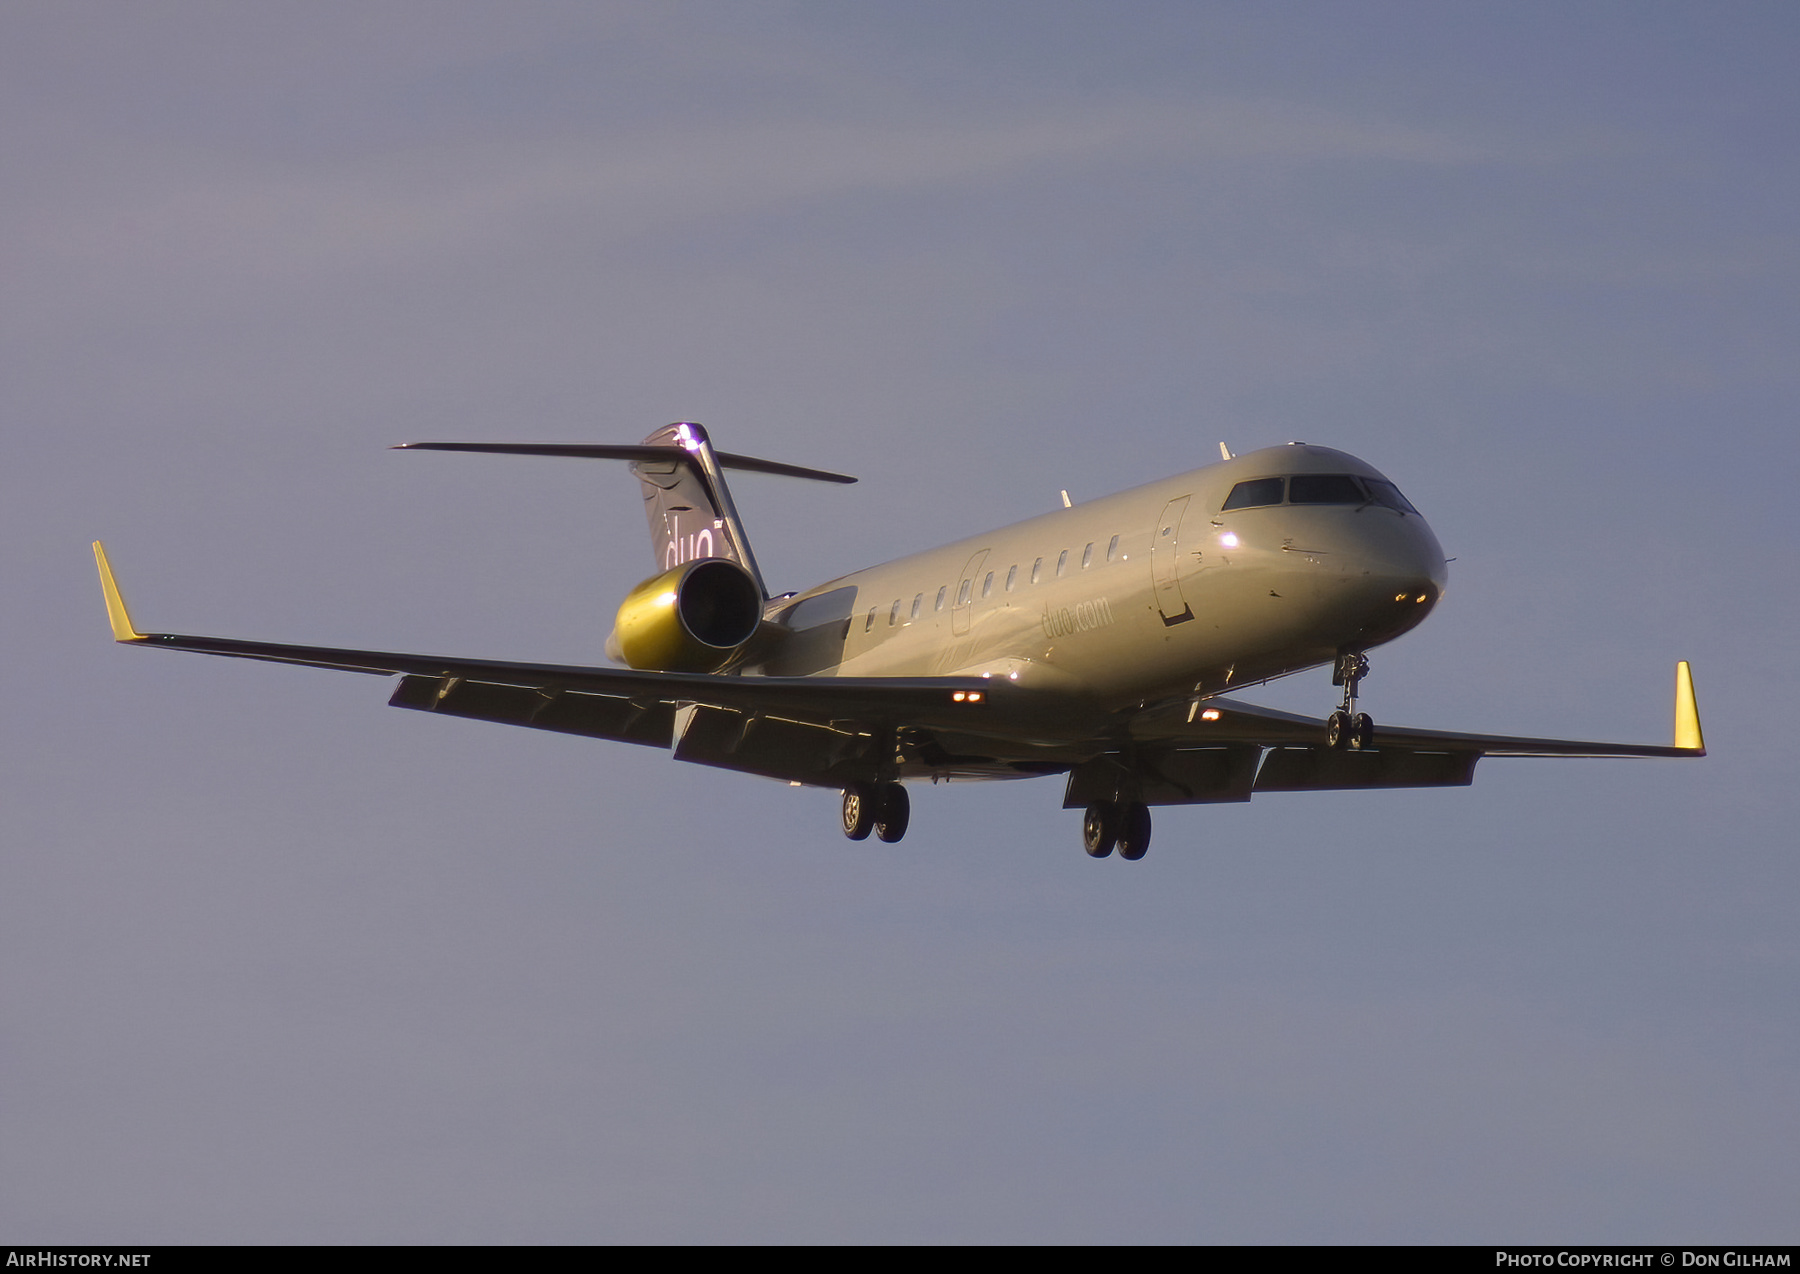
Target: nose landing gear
1347, 728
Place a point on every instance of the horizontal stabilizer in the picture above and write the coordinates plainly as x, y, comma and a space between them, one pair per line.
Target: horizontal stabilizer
638, 452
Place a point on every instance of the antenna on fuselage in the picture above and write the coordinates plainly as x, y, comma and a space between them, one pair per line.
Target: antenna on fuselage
1224, 452
1067, 503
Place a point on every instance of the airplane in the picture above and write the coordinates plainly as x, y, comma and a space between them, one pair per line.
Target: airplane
1097, 641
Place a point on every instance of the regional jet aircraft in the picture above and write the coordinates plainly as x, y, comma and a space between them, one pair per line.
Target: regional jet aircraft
1099, 641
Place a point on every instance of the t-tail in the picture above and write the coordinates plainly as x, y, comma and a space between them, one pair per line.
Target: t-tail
686, 501
685, 617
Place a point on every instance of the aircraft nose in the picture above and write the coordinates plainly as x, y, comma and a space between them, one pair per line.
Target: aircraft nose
1403, 549
1405, 575
1416, 563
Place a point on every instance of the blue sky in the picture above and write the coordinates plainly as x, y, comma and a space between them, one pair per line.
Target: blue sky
281, 965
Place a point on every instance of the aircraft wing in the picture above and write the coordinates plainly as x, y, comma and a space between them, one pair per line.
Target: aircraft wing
1227, 721
927, 700
523, 693
1220, 749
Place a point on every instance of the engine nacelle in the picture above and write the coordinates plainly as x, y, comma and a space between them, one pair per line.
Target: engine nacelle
690, 619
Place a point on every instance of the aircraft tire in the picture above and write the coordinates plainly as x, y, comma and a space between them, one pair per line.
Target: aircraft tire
1134, 832
1337, 731
859, 810
1100, 829
893, 812
1362, 735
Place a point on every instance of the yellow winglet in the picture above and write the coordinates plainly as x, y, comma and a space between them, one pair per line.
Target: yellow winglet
1687, 714
115, 605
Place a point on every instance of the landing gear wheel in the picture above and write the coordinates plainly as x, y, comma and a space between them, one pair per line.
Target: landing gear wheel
1337, 731
892, 812
1362, 732
1134, 833
859, 810
1100, 829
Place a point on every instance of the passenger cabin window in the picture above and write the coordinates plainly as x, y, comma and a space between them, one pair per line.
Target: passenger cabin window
962, 594
1255, 493
987, 585
1062, 560
894, 614
870, 621
918, 602
1112, 549
1087, 555
940, 597
1036, 568
1012, 574
1324, 488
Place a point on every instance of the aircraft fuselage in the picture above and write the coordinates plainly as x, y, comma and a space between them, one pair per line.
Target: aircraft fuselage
1152, 592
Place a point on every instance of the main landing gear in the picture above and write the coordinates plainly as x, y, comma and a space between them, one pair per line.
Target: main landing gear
1348, 729
882, 808
1122, 823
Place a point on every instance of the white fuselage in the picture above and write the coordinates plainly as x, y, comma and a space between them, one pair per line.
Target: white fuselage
1150, 592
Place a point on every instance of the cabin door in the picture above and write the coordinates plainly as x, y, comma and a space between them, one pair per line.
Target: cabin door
1165, 563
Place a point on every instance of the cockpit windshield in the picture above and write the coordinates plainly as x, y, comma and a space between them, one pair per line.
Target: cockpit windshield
1324, 488
1317, 488
1255, 493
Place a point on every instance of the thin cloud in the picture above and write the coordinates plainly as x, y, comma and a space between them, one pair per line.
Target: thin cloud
268, 221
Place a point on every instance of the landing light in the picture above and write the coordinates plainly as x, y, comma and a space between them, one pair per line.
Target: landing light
1211, 714
1228, 540
965, 696
1419, 598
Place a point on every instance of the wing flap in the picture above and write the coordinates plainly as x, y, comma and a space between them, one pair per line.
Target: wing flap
1323, 770
564, 711
750, 742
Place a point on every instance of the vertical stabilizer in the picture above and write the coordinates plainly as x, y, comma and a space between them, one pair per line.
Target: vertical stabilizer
688, 505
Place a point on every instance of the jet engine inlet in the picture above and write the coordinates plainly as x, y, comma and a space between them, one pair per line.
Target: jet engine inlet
689, 619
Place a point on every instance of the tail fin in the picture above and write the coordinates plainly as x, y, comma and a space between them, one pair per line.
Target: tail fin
687, 503
685, 497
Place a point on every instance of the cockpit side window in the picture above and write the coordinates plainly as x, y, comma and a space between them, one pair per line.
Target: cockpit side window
1387, 493
1325, 488
1254, 493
